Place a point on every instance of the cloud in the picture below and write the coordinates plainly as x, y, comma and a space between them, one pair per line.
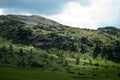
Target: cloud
77, 13
33, 6
1, 11
98, 13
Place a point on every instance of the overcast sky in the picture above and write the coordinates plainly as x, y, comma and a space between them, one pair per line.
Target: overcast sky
77, 13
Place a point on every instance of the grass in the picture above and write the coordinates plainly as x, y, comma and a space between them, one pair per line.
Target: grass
95, 73
106, 70
31, 74
72, 72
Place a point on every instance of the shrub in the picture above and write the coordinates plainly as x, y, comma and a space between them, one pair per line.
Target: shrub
94, 74
106, 66
118, 74
90, 61
71, 72
52, 58
77, 61
80, 73
36, 64
97, 64
66, 63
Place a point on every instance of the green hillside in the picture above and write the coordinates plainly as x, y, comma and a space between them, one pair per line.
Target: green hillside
36, 45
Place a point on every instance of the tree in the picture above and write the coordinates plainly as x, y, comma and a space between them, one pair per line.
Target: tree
90, 61
22, 59
30, 58
52, 58
77, 61
117, 46
97, 49
66, 63
61, 56
83, 49
23, 63
11, 49
23, 33
21, 53
4, 49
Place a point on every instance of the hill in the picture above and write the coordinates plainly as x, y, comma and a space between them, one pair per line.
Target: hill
38, 42
44, 33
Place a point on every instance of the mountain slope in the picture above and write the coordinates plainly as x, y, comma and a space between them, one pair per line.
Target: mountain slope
33, 20
33, 47
44, 33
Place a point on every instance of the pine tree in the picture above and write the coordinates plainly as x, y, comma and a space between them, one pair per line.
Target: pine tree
10, 49
77, 61
21, 53
66, 63
30, 58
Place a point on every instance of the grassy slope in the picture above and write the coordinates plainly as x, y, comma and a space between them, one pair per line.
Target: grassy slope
87, 73
28, 74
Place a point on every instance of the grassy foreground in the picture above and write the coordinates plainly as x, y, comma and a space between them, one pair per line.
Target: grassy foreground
31, 74
37, 74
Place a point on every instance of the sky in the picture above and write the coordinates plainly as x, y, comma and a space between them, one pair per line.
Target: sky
90, 14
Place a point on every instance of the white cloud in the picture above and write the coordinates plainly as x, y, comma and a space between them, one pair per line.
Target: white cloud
1, 11
92, 16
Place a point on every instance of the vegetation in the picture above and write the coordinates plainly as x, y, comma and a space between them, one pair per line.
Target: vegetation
31, 48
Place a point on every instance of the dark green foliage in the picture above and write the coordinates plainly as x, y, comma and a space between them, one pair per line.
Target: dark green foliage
66, 63
30, 57
94, 74
52, 58
96, 64
118, 74
11, 49
22, 62
96, 50
4, 48
23, 34
77, 61
21, 53
110, 30
61, 58
117, 46
83, 49
36, 64
90, 61
45, 56
18, 57
80, 73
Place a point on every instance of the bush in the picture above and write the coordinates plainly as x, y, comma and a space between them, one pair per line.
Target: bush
80, 73
118, 74
66, 63
106, 66
52, 58
77, 61
36, 64
94, 74
97, 64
